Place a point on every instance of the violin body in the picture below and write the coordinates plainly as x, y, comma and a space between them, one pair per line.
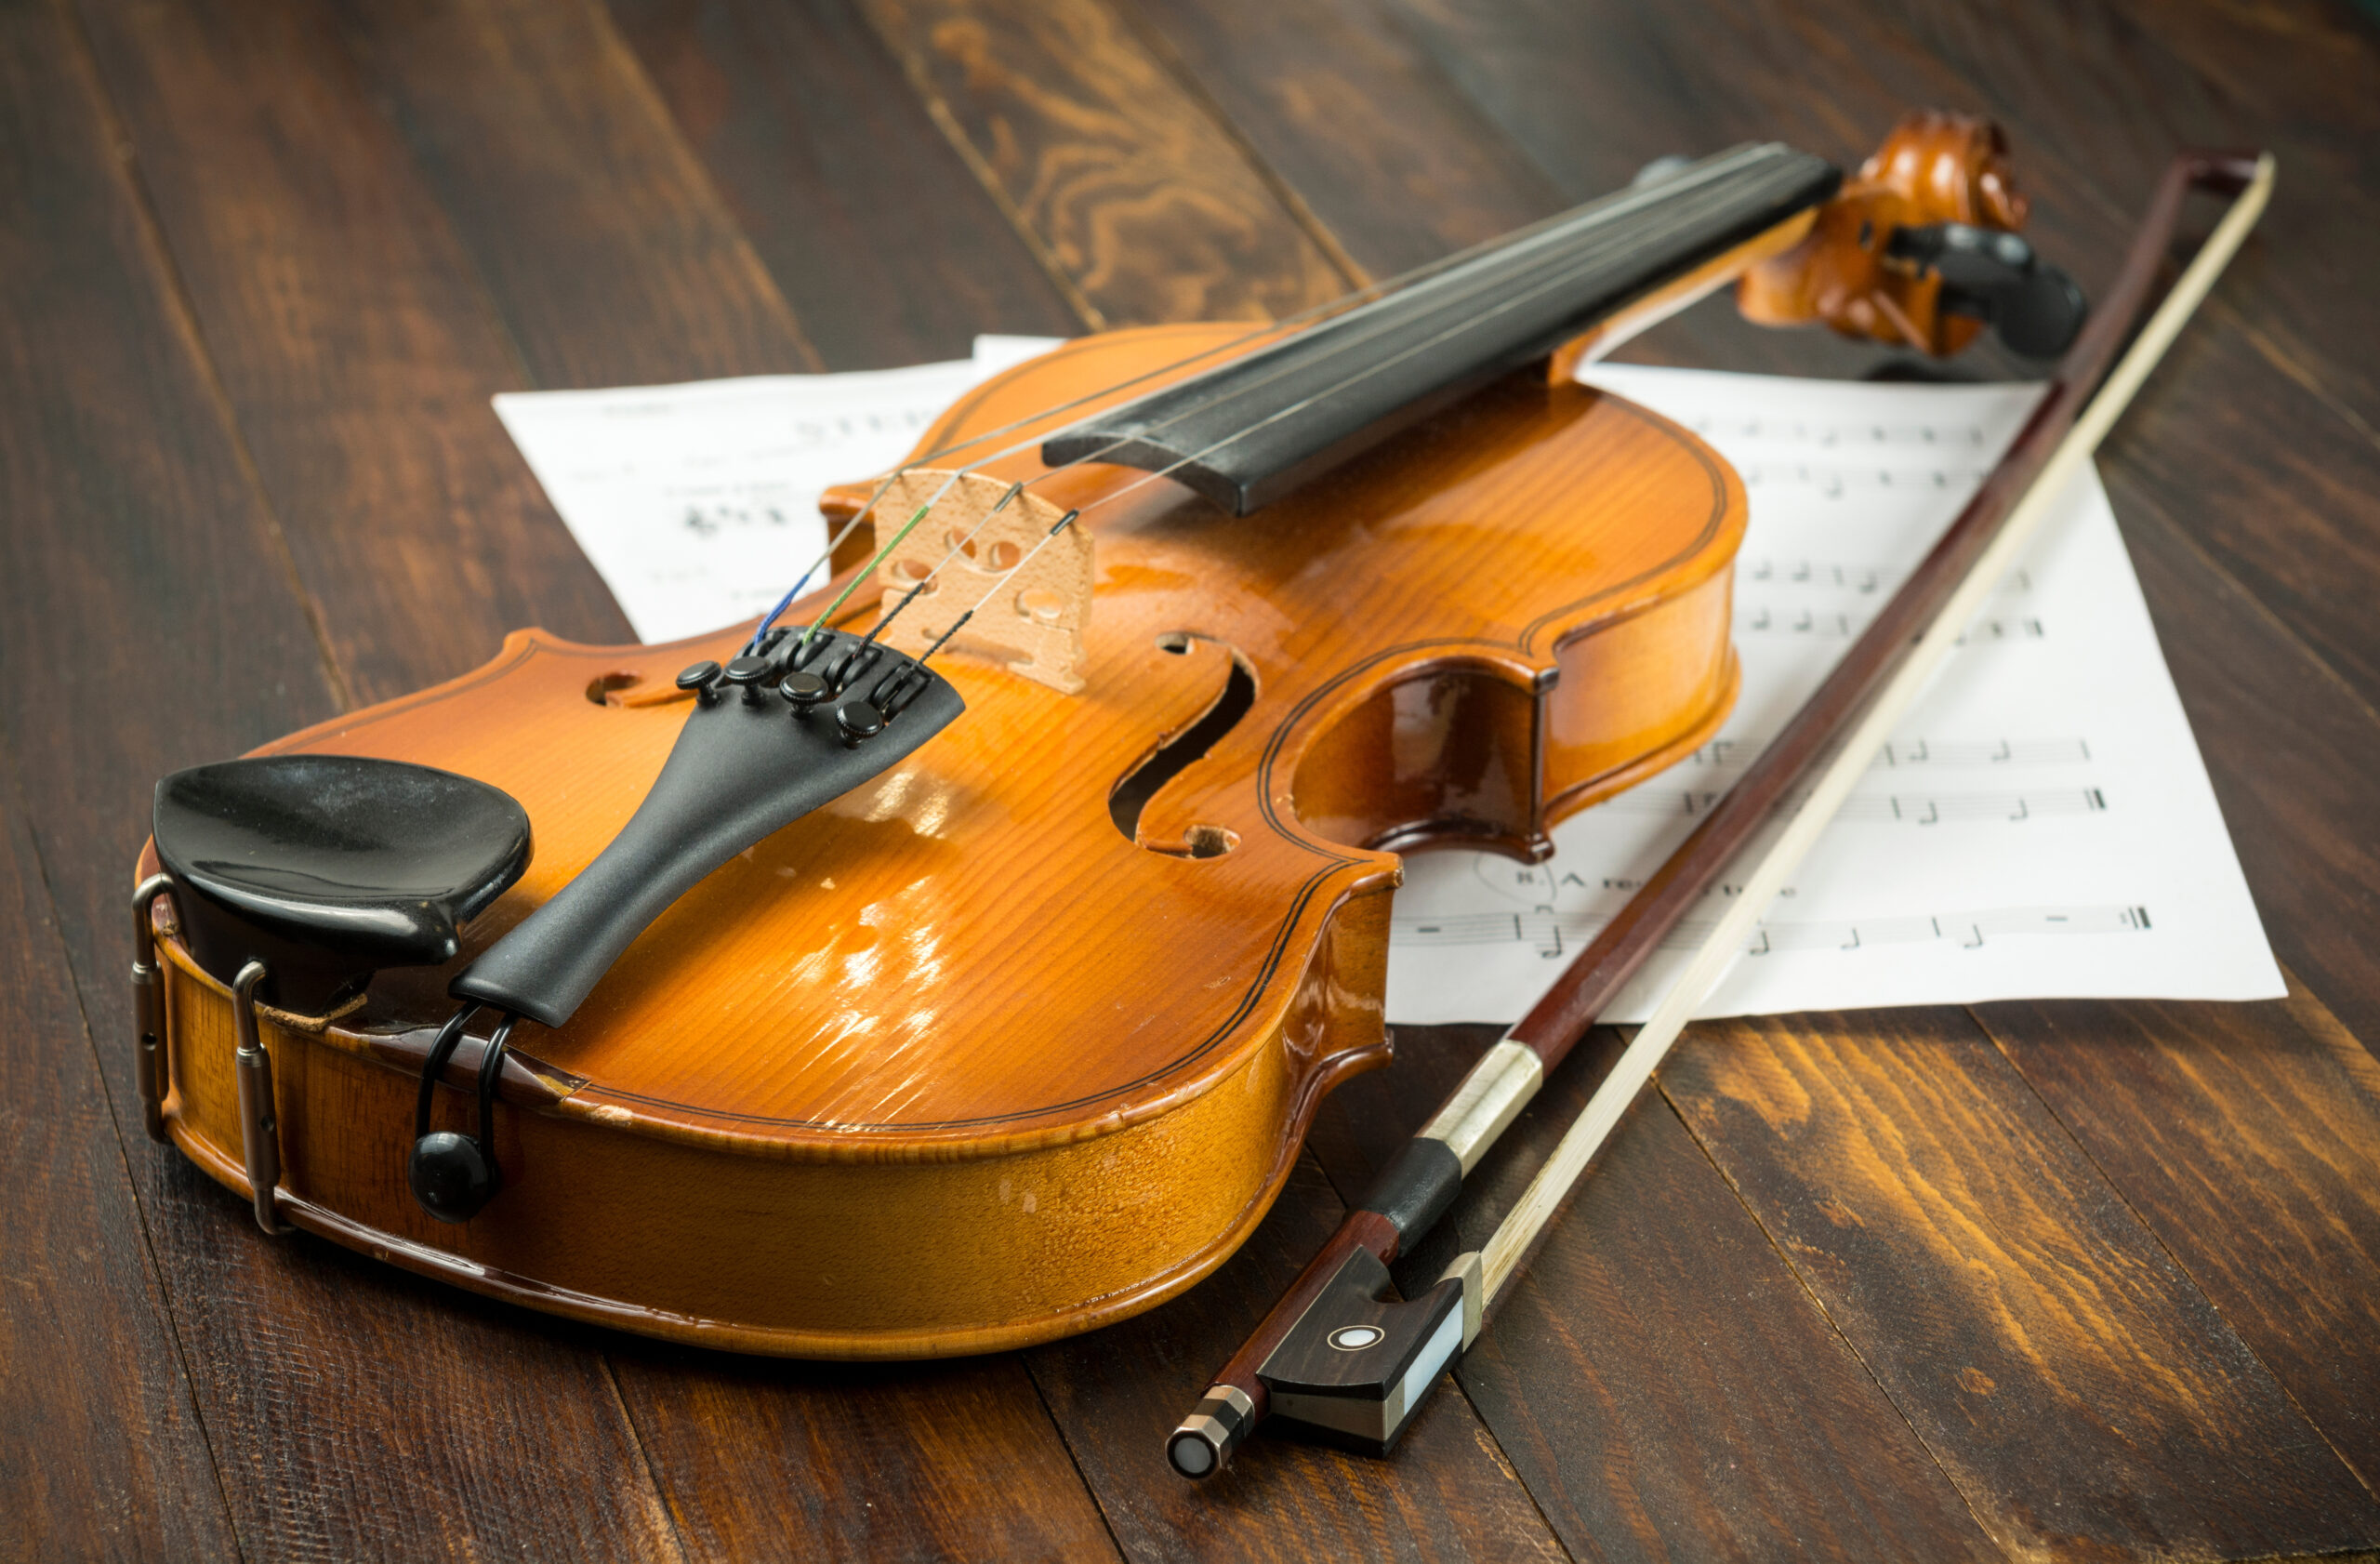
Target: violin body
1023, 1035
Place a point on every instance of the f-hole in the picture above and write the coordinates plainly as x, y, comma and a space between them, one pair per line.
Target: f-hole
1183, 749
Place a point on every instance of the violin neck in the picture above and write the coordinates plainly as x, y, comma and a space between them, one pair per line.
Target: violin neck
1252, 430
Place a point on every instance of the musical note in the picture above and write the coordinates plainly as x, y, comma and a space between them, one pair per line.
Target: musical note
1937, 754
1552, 935
711, 519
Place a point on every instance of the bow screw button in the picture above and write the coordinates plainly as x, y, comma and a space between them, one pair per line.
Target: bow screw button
699, 679
859, 721
748, 673
804, 690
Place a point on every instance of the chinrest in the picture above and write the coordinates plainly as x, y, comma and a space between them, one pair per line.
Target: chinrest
330, 867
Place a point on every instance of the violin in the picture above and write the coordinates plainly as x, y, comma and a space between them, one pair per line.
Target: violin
954, 959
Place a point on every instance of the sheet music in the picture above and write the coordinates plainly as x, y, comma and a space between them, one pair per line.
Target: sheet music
698, 503
2042, 826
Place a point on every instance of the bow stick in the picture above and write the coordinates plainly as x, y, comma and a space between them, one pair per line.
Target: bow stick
1342, 1354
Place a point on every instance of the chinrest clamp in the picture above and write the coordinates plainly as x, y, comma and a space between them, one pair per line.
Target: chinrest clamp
260, 1134
148, 1065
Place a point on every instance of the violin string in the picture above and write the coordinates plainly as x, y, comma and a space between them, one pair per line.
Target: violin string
1588, 216
1337, 387
1681, 215
1668, 193
1574, 261
883, 623
1593, 215
1677, 224
1343, 303
891, 543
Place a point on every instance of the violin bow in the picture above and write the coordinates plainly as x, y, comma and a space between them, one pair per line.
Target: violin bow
1342, 1354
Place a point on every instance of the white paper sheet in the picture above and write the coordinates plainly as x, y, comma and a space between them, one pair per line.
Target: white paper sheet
698, 503
2042, 827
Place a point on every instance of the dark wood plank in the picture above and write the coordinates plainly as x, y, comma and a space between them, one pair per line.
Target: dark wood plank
1660, 1379
352, 336
2283, 495
887, 246
101, 1452
1356, 119
1449, 1492
149, 623
1142, 202
2295, 759
1425, 172
764, 1459
2084, 1395
609, 257
2247, 1138
123, 486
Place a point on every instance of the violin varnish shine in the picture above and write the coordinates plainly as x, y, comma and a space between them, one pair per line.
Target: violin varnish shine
955, 1062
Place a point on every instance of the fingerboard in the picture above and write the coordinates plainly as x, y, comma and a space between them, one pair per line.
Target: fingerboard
1250, 431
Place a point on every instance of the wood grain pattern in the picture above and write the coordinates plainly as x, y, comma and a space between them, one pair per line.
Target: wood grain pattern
888, 248
2083, 1394
1143, 205
2295, 760
1654, 1375
2247, 1138
126, 491
596, 231
105, 1456
2297, 526
1357, 121
351, 337
765, 1460
1449, 1493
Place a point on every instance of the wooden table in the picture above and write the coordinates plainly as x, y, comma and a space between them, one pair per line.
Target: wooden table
2074, 1280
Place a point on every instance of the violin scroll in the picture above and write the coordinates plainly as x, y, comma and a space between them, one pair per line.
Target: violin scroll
1919, 247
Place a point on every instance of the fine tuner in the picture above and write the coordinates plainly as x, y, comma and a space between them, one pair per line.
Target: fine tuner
954, 959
